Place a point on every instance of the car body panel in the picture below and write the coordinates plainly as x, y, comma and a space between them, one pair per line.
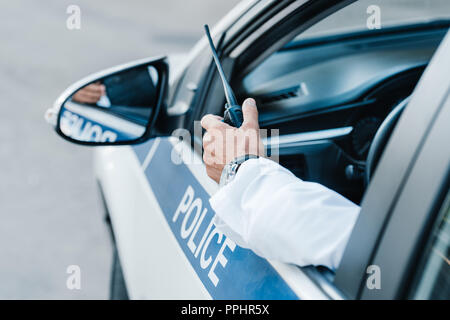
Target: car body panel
143, 238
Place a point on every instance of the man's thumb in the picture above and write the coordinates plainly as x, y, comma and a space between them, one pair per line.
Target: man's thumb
250, 112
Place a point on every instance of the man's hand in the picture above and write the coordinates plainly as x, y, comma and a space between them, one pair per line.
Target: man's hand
89, 94
223, 143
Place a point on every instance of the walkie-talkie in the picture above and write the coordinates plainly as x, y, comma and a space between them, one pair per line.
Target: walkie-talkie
233, 112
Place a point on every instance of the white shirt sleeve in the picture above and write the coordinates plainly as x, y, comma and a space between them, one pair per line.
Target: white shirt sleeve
281, 217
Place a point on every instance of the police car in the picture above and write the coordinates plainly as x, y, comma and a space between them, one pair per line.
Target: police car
359, 91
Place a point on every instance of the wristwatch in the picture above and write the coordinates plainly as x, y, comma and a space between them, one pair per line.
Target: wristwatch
230, 169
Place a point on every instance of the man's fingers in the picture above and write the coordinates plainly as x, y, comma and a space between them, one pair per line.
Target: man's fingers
90, 95
84, 97
95, 88
250, 112
207, 139
212, 121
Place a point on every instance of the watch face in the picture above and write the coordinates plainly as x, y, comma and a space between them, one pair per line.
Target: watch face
228, 173
224, 176
230, 169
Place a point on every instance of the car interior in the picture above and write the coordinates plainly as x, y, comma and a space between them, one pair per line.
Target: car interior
329, 95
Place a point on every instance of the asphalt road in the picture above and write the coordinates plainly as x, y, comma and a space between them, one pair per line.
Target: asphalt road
49, 209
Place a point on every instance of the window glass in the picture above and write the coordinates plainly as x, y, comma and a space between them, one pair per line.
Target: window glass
366, 15
433, 276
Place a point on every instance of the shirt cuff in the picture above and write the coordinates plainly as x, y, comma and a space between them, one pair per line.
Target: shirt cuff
226, 202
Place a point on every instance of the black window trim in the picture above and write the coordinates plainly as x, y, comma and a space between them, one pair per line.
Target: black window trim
421, 197
368, 244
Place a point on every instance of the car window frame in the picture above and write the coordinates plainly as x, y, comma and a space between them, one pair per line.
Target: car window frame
262, 26
422, 193
373, 230
409, 239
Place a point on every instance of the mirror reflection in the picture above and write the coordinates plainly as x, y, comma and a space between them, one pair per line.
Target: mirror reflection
116, 108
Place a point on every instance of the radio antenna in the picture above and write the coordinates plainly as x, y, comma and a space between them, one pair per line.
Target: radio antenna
229, 94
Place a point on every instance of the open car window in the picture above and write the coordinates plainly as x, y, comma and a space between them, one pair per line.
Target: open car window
365, 15
329, 98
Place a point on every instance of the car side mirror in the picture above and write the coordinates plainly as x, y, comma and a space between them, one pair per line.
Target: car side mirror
116, 106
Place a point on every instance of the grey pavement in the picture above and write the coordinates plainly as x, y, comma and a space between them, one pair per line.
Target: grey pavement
50, 216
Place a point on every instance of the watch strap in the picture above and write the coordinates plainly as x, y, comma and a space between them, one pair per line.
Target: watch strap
230, 169
240, 160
